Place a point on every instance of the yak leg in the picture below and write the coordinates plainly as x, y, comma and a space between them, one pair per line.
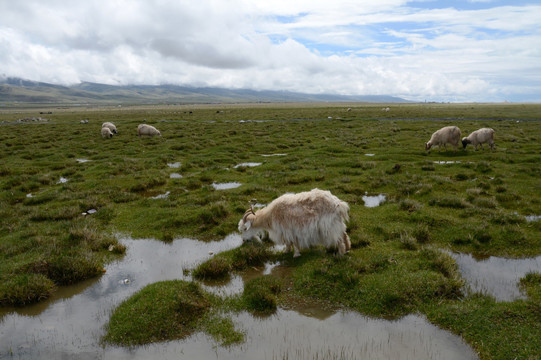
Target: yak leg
297, 252
347, 242
341, 248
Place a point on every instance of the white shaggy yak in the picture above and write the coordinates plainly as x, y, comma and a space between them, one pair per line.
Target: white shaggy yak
300, 221
148, 130
444, 136
106, 133
479, 137
109, 125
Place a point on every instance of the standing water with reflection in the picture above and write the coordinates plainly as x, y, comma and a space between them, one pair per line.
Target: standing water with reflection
71, 324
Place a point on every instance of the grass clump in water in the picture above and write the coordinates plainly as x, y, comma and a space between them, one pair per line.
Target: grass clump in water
260, 294
165, 311
219, 267
25, 289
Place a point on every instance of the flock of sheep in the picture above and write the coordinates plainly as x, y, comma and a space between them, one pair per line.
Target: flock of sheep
451, 135
317, 217
108, 129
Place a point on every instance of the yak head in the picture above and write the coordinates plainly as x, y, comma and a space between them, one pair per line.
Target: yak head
245, 226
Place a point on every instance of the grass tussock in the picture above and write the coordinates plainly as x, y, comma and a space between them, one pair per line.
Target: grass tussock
160, 311
260, 294
220, 266
25, 289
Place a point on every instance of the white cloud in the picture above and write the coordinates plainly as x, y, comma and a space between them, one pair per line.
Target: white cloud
346, 47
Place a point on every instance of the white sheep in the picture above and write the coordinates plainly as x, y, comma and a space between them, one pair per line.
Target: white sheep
106, 132
444, 136
109, 125
300, 221
479, 137
148, 130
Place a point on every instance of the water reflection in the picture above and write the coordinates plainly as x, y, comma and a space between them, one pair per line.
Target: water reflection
161, 196
71, 324
373, 201
247, 164
226, 186
496, 276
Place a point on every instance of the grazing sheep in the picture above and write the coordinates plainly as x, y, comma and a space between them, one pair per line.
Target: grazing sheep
106, 133
109, 125
444, 136
479, 137
300, 221
147, 130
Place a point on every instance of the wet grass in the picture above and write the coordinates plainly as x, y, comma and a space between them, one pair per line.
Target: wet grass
476, 203
169, 310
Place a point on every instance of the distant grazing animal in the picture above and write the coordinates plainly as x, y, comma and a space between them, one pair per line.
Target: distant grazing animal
300, 221
147, 130
479, 137
444, 136
109, 125
106, 133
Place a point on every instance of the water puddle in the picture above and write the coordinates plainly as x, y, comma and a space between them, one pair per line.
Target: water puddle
373, 201
496, 276
532, 218
226, 186
447, 162
174, 165
269, 155
161, 196
82, 160
62, 180
71, 324
175, 176
247, 164
369, 154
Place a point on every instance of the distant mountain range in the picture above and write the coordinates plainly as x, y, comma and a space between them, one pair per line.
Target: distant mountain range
17, 90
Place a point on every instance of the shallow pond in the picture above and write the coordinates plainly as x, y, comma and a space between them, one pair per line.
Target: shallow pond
373, 201
226, 186
174, 165
175, 176
532, 218
161, 196
71, 324
496, 276
247, 164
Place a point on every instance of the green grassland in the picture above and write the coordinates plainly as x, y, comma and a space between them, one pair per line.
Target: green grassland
476, 204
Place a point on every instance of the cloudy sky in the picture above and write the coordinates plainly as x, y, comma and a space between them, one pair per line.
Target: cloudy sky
434, 50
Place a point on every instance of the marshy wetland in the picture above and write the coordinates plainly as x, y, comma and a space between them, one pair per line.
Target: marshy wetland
128, 247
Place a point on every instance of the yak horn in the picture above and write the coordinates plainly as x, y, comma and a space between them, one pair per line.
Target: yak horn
248, 212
